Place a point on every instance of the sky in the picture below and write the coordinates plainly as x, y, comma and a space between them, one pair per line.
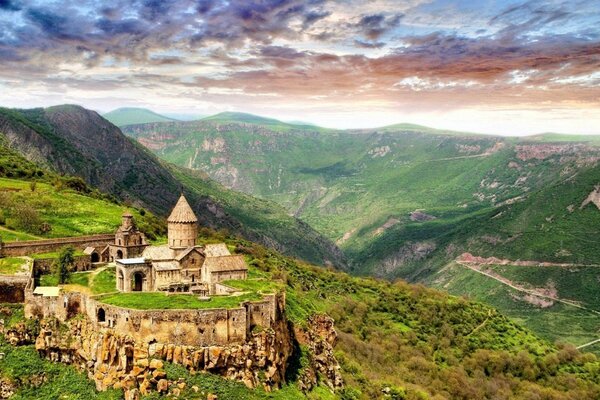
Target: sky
502, 67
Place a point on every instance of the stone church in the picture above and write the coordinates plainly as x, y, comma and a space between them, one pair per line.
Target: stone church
178, 266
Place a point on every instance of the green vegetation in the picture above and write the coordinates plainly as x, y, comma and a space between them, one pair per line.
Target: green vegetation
162, 301
54, 254
552, 320
425, 343
65, 212
11, 265
258, 285
131, 116
64, 263
69, 136
39, 379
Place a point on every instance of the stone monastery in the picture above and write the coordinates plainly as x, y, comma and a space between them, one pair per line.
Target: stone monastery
178, 266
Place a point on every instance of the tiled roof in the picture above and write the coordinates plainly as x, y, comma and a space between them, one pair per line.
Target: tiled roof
182, 212
216, 250
226, 263
166, 265
162, 252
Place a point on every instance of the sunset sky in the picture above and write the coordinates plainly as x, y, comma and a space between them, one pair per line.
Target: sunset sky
505, 67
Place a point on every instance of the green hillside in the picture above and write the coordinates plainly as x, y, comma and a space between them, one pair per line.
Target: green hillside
406, 341
403, 203
73, 141
131, 116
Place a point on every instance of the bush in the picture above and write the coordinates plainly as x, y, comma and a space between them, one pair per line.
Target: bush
64, 263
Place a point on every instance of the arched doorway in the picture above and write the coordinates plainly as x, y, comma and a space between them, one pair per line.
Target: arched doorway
138, 282
101, 315
119, 255
95, 257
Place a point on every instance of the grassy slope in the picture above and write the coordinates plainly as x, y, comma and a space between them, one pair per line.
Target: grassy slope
418, 342
67, 136
557, 322
130, 116
339, 187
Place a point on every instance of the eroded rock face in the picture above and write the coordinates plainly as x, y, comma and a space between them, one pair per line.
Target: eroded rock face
117, 361
320, 338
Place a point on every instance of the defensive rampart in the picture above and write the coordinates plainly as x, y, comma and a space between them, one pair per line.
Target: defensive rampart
28, 247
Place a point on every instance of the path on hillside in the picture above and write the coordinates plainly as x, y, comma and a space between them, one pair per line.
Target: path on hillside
457, 157
33, 237
588, 344
524, 290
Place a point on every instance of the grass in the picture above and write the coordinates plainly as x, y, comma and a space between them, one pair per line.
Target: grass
54, 254
11, 265
9, 235
161, 301
104, 281
23, 365
257, 285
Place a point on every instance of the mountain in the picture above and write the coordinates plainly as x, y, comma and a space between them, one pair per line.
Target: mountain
74, 141
132, 115
405, 202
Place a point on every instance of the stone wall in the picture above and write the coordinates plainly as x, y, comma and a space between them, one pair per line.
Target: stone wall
202, 327
44, 265
12, 288
27, 247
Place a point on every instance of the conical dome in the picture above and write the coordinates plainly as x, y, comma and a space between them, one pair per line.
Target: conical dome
182, 213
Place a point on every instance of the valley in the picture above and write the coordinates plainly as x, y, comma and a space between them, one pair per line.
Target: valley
404, 201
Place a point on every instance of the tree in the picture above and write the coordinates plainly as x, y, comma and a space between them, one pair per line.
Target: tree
63, 264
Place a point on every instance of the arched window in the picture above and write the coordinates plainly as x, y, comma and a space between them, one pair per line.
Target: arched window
101, 315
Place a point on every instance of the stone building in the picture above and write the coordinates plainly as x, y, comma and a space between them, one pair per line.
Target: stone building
180, 265
129, 242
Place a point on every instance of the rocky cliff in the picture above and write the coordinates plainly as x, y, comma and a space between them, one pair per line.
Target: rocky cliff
117, 361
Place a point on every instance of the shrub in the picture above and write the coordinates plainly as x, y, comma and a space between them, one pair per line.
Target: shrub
64, 263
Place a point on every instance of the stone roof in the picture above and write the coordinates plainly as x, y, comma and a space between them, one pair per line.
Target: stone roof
47, 291
89, 250
162, 252
132, 261
216, 250
182, 213
166, 265
187, 251
226, 263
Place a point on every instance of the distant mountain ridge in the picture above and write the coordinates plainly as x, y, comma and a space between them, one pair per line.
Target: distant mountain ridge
72, 140
132, 115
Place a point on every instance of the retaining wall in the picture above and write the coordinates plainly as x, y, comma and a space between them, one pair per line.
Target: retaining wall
27, 247
203, 327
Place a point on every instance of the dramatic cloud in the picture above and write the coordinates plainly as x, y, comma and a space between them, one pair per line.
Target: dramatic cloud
344, 63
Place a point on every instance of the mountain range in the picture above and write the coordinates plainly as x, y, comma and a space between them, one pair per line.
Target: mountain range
406, 201
78, 142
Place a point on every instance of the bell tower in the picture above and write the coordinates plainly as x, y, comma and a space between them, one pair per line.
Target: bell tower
182, 225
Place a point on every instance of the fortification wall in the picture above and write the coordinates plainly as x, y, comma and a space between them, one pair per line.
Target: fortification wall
81, 263
204, 327
27, 247
12, 288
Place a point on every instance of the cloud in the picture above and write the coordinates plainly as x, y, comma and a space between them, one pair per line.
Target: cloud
9, 5
372, 53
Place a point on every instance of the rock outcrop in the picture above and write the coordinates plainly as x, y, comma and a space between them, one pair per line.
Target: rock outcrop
320, 337
117, 361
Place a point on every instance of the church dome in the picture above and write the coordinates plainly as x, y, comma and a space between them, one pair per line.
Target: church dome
182, 213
